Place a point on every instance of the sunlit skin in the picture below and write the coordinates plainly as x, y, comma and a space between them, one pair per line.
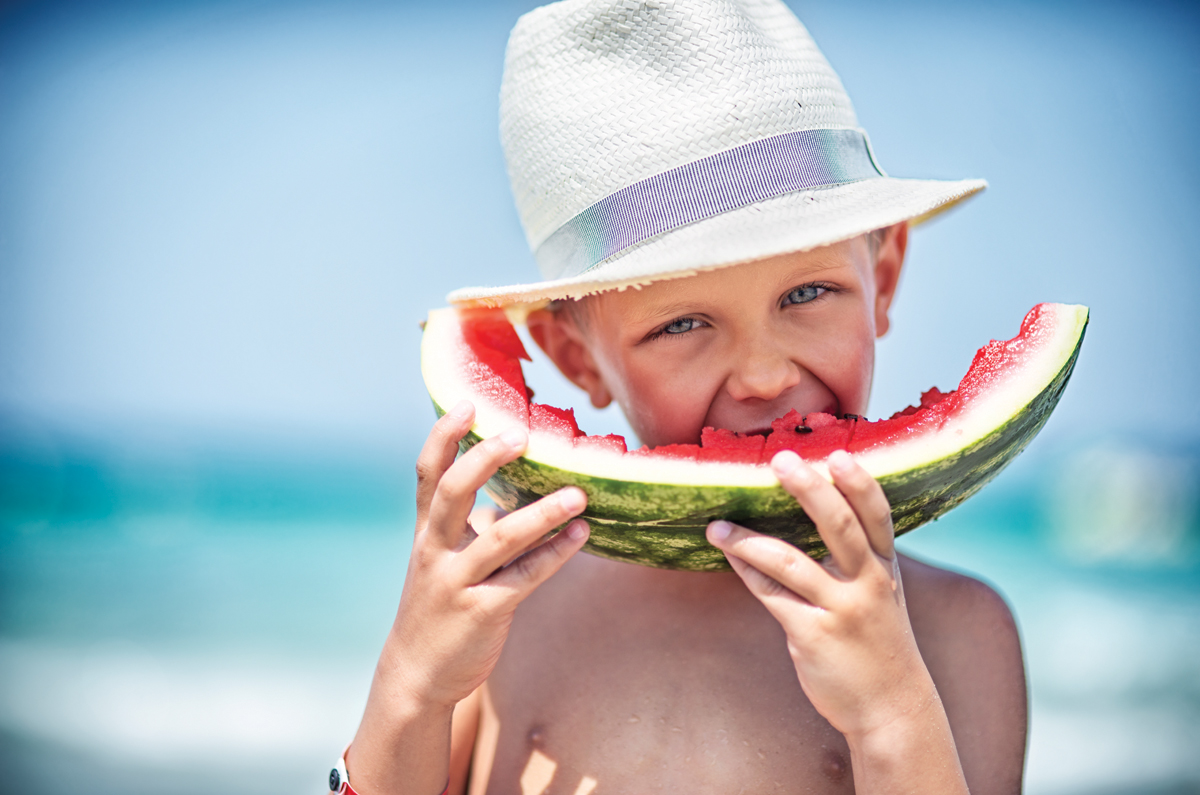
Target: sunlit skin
733, 348
516, 666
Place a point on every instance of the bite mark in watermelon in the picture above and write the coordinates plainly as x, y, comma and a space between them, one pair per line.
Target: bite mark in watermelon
717, 444
651, 505
811, 436
548, 419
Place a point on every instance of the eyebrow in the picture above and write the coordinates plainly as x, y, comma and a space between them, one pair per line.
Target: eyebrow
675, 309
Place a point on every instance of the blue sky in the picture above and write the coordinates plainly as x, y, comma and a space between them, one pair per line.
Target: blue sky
230, 217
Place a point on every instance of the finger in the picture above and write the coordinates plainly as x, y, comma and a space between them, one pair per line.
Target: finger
867, 500
517, 580
438, 453
773, 558
835, 519
518, 532
779, 601
454, 496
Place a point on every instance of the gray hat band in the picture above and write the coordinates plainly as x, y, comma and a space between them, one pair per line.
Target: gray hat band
728, 180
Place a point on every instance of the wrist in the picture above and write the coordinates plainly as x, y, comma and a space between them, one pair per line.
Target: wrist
412, 687
403, 742
912, 750
400, 753
910, 699
895, 728
339, 778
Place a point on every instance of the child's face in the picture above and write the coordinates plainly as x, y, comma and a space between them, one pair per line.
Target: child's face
734, 348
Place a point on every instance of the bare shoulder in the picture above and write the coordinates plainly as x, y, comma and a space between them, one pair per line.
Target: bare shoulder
969, 641
944, 601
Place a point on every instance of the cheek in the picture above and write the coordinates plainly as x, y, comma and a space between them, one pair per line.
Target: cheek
849, 363
665, 398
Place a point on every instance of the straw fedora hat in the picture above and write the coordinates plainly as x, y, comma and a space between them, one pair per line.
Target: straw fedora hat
653, 139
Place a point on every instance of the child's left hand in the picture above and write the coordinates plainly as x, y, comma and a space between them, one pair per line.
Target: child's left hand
847, 626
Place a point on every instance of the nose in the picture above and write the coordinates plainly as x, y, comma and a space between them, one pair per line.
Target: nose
764, 372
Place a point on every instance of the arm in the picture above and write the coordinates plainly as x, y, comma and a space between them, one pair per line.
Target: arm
969, 641
459, 597
463, 728
848, 629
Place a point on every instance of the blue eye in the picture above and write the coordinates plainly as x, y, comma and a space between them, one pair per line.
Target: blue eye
681, 325
804, 294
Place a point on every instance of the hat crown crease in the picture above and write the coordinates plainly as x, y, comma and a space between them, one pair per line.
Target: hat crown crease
598, 95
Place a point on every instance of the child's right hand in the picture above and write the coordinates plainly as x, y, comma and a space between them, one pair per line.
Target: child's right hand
460, 594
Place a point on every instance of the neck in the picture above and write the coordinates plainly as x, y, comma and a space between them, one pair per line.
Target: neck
694, 586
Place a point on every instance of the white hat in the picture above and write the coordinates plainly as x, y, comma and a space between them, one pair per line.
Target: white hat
654, 139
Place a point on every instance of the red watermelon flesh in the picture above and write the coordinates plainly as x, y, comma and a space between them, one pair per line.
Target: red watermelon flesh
612, 442
687, 452
494, 367
813, 436
561, 423
556, 421
720, 445
492, 354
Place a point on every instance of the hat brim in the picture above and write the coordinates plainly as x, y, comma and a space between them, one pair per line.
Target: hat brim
793, 222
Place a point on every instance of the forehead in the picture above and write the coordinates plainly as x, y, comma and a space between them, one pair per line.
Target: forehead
768, 278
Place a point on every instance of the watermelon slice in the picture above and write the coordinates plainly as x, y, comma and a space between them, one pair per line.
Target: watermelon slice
651, 505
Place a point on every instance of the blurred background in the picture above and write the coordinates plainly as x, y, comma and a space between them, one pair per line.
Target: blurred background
221, 223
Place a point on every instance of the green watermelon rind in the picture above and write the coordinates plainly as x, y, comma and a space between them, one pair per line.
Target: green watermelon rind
663, 525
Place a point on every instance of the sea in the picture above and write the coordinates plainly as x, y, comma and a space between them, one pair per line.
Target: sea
210, 621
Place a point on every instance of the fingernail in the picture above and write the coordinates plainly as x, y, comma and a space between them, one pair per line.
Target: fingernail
839, 462
572, 500
785, 462
462, 410
577, 529
513, 437
719, 531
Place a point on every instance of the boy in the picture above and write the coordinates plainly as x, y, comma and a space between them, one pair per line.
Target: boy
706, 154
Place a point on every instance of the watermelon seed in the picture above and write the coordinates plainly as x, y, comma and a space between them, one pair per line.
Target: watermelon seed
803, 429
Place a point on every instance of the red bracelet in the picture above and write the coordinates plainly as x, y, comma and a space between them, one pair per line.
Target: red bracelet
339, 781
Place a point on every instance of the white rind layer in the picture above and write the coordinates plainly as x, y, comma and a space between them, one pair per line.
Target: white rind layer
1046, 353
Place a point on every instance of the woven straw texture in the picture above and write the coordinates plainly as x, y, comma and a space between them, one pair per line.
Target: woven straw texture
600, 94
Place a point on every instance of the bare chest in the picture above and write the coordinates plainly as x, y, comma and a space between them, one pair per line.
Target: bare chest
620, 688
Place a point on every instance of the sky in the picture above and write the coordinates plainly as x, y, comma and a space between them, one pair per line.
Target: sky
225, 218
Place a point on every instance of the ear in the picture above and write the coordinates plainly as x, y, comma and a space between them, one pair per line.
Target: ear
557, 334
888, 264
